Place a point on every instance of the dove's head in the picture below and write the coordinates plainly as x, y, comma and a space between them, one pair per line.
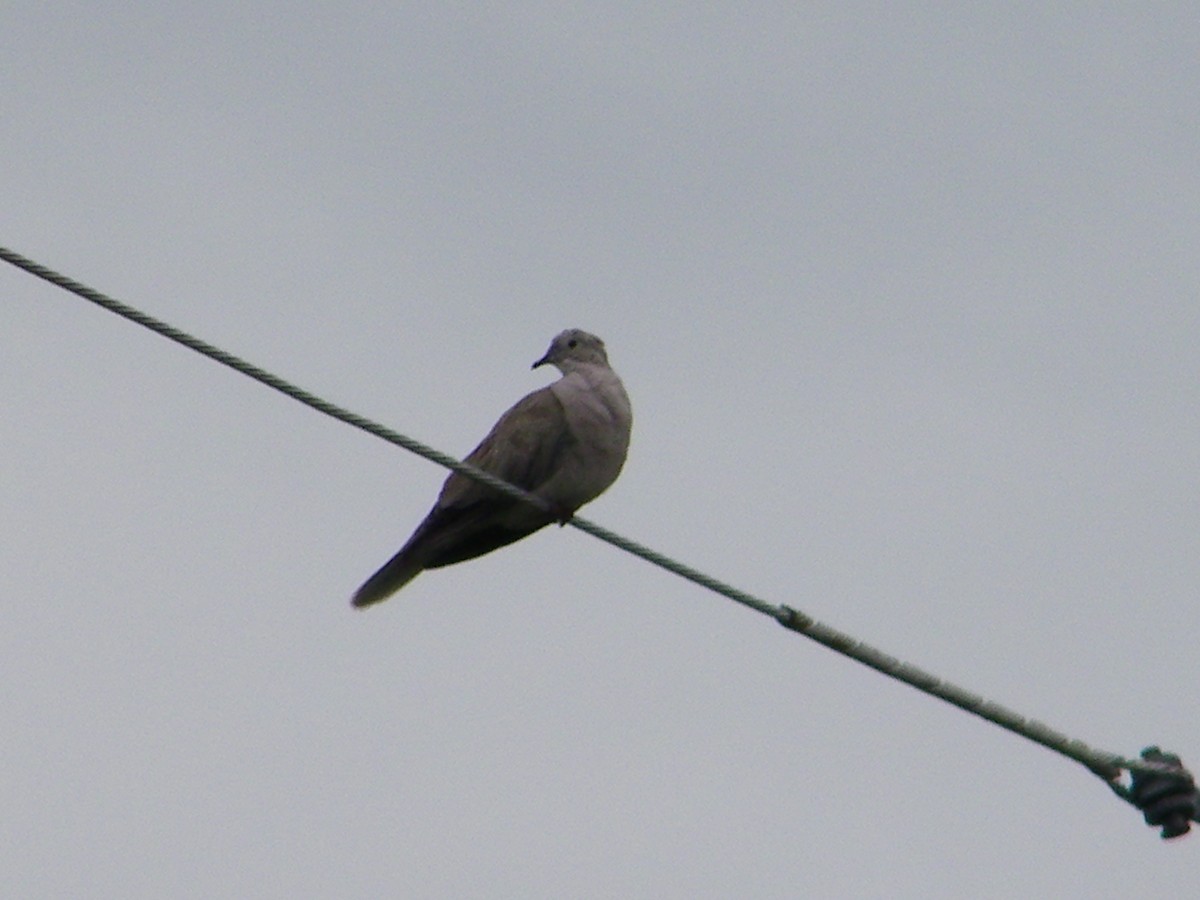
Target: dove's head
573, 348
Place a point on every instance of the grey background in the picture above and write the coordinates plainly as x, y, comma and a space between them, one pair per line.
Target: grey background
906, 300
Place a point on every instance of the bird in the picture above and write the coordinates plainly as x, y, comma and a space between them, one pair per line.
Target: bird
564, 444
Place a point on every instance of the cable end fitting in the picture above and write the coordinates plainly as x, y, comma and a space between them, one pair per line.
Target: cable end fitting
1168, 799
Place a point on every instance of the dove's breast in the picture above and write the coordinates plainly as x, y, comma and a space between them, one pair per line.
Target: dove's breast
599, 419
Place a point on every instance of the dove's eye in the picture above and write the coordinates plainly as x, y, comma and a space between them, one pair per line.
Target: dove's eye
572, 343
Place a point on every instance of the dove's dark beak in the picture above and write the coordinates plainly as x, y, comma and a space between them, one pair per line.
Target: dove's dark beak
543, 361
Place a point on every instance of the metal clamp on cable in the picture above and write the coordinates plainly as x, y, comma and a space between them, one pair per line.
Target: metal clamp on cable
1168, 798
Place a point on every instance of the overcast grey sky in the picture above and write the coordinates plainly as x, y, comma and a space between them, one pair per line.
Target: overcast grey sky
906, 301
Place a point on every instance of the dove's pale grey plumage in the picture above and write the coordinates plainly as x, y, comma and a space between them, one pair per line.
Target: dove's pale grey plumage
565, 443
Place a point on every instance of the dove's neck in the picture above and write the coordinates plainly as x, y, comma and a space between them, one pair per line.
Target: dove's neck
596, 376
577, 364
595, 391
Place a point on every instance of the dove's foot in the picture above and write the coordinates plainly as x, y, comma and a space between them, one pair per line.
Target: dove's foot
562, 515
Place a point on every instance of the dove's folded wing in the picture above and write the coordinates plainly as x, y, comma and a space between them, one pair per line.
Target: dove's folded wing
470, 519
525, 448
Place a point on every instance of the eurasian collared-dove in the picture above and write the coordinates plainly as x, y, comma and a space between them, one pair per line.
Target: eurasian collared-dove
565, 443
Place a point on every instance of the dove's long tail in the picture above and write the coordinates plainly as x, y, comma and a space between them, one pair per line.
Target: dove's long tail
395, 574
447, 536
